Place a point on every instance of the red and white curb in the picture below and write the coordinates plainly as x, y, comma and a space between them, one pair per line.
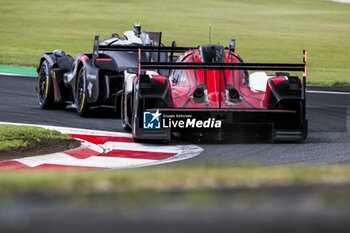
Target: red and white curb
102, 150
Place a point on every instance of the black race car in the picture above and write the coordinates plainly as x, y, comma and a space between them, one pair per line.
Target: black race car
94, 79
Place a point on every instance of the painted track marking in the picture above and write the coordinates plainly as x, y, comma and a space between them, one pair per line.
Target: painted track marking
328, 92
102, 150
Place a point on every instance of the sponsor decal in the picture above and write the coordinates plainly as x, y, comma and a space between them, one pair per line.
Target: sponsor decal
157, 120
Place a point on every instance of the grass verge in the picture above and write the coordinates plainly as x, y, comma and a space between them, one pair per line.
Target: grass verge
266, 31
21, 141
27, 71
169, 179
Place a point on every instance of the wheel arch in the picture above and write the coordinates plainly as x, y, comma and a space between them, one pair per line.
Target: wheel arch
49, 57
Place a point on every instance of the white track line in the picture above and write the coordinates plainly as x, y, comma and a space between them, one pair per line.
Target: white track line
21, 75
140, 147
94, 161
328, 92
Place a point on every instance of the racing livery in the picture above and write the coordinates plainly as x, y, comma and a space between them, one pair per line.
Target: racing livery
210, 91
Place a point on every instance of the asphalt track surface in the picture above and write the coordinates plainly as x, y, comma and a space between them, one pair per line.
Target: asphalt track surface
328, 141
307, 208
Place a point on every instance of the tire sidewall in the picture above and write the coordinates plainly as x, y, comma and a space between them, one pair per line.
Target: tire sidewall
47, 101
83, 107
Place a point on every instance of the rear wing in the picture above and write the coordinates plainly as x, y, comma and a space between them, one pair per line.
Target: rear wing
225, 66
157, 49
135, 48
230, 66
144, 48
220, 66
217, 66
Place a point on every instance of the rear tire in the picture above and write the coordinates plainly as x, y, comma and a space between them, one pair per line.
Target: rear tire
46, 88
83, 108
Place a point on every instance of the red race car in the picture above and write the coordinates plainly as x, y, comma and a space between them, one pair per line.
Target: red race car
210, 92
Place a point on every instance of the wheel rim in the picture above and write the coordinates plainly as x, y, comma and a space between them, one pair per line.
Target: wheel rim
81, 90
43, 84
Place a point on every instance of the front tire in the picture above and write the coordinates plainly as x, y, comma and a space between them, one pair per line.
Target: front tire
83, 108
45, 86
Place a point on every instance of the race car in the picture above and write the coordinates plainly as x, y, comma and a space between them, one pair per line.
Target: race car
209, 91
94, 79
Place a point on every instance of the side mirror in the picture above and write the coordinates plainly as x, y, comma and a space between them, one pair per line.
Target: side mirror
232, 45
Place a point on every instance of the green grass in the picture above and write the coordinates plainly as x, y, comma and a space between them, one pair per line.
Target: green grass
27, 71
194, 178
19, 137
268, 30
